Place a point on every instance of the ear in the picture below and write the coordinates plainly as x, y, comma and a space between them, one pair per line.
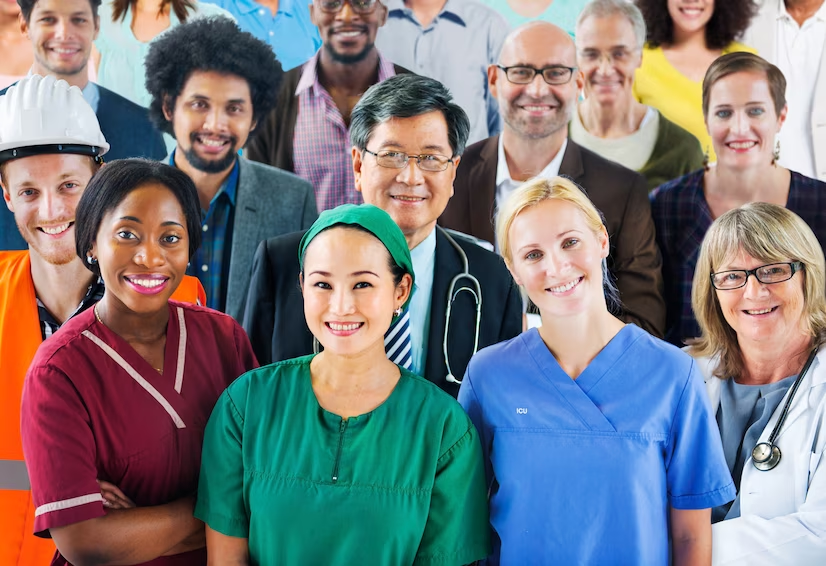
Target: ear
24, 26
493, 77
382, 17
357, 163
168, 111
513, 273
782, 118
7, 198
301, 283
313, 14
97, 27
403, 290
455, 168
580, 82
604, 244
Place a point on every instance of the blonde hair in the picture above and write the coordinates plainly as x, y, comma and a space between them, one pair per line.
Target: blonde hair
539, 190
768, 233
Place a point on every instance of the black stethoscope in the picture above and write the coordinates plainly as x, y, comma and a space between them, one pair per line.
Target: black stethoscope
766, 455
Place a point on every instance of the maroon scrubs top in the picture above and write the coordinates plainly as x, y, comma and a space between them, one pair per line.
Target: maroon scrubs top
93, 408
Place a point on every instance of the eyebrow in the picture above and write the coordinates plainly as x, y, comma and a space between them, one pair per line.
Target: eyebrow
205, 97
138, 221
429, 147
354, 274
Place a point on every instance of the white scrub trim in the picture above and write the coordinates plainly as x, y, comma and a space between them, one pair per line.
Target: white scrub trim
67, 503
179, 372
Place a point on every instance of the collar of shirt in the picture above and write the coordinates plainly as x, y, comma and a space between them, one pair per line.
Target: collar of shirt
453, 9
309, 74
783, 14
503, 174
245, 7
424, 265
230, 185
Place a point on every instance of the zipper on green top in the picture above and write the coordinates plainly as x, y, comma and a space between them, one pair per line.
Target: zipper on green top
341, 429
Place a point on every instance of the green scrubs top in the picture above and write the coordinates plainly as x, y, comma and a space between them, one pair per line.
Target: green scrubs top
401, 485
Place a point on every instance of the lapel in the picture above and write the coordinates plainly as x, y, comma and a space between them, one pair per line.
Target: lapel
816, 376
571, 165
482, 190
443, 272
245, 237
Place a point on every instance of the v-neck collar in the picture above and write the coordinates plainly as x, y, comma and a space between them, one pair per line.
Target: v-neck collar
575, 391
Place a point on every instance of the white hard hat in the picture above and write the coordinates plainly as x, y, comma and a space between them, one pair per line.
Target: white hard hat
43, 115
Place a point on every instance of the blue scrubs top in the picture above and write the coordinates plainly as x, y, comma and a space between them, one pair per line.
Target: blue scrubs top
583, 471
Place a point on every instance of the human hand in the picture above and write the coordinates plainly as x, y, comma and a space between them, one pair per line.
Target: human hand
113, 497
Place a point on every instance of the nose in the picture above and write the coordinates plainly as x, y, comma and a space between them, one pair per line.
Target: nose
605, 63
54, 207
346, 14
149, 254
537, 87
61, 29
555, 263
215, 120
341, 301
754, 289
410, 174
741, 123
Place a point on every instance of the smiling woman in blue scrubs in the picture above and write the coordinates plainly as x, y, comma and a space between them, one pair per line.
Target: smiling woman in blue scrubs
599, 442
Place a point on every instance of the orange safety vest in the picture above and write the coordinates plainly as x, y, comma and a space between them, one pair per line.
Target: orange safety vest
19, 339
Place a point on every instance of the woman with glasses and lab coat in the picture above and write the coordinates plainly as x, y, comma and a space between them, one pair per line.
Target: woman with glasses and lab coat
758, 297
599, 443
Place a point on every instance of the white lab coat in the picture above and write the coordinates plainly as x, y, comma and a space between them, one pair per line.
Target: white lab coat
782, 511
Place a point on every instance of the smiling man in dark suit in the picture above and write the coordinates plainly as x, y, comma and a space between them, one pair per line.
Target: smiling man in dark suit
407, 138
536, 84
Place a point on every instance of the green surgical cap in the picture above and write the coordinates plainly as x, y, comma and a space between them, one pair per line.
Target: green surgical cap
371, 218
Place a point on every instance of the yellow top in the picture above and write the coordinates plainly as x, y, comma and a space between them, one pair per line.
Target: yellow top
678, 98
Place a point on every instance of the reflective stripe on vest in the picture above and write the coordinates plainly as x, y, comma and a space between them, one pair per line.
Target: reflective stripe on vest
13, 475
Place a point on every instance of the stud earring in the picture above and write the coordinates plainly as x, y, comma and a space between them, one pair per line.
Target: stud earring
398, 312
705, 159
776, 153
90, 260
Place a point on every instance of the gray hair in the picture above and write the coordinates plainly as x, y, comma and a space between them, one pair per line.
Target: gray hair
406, 96
608, 8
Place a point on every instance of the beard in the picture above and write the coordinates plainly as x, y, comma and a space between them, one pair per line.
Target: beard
211, 165
349, 59
536, 128
59, 253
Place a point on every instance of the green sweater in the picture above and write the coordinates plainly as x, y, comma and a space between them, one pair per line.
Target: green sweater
676, 153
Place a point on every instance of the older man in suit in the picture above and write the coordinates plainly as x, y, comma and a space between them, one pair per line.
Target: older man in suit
211, 114
536, 84
407, 138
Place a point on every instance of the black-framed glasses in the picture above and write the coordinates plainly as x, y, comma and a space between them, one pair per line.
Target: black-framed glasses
767, 274
398, 160
553, 75
358, 6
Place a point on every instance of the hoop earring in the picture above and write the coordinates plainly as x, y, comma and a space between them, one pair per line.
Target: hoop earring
398, 312
705, 159
776, 153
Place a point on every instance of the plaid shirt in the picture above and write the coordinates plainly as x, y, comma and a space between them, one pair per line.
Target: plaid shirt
210, 264
321, 143
48, 324
682, 218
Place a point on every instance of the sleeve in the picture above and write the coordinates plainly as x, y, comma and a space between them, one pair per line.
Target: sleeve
246, 357
259, 318
696, 470
637, 264
786, 540
221, 502
60, 451
457, 528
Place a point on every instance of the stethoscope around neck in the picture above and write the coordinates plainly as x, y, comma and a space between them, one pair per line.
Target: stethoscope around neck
766, 455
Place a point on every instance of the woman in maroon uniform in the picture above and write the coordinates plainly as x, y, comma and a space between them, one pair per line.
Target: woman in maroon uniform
115, 403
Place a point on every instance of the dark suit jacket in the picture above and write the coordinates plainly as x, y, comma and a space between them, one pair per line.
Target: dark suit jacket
126, 127
276, 326
621, 195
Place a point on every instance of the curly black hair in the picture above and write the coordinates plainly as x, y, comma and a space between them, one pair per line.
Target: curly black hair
729, 21
213, 44
27, 6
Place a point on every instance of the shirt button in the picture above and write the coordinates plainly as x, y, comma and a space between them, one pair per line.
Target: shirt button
205, 268
205, 227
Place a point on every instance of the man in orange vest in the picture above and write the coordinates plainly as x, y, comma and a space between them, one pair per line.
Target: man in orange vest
50, 146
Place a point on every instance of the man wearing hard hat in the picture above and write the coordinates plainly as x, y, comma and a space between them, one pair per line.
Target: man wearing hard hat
50, 147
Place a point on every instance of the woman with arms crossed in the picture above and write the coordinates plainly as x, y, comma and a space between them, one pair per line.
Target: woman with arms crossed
344, 457
598, 439
115, 403
758, 295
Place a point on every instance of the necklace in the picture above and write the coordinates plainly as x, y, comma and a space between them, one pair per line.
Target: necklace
97, 316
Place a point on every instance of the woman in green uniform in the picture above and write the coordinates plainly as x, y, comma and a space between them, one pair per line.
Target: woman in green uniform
344, 457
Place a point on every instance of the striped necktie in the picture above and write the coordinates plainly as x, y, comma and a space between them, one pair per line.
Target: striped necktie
397, 341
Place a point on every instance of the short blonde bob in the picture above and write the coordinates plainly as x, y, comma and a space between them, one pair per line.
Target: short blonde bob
769, 233
538, 190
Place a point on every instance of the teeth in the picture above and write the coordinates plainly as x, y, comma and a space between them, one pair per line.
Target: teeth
537, 108
762, 311
566, 287
344, 327
55, 230
742, 145
212, 143
349, 33
409, 199
148, 283
65, 51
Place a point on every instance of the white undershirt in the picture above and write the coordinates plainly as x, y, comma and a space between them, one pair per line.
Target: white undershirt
798, 51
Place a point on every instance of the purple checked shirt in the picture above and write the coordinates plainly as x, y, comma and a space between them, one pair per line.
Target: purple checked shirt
321, 143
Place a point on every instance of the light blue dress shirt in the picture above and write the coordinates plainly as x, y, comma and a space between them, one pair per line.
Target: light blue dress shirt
455, 49
424, 263
563, 13
290, 33
91, 94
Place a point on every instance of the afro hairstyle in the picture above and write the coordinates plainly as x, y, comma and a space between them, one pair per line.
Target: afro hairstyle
213, 44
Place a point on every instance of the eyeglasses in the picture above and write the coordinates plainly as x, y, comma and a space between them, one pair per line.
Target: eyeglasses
358, 6
553, 75
767, 274
398, 160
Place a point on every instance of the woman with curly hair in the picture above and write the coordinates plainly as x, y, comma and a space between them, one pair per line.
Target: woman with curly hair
127, 28
684, 37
